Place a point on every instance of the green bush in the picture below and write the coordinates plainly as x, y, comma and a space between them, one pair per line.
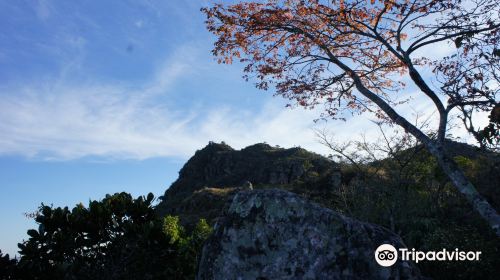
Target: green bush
118, 237
419, 203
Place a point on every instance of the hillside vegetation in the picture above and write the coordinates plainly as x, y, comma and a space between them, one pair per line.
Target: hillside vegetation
406, 193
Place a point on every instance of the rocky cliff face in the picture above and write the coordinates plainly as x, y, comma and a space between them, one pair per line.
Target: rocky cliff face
274, 234
217, 169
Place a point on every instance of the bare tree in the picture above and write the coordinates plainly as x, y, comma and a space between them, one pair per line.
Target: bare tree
387, 159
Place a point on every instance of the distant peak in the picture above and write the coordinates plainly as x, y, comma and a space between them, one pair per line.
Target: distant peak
222, 146
259, 146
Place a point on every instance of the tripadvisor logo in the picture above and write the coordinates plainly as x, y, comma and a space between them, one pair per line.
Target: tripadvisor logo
387, 255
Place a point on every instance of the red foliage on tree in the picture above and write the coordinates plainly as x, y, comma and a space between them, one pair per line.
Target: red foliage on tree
352, 55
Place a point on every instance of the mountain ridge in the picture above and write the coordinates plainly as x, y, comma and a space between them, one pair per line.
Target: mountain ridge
219, 166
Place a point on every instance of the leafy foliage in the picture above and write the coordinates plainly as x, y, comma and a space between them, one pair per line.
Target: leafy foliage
318, 52
8, 268
490, 135
118, 237
389, 181
406, 191
353, 56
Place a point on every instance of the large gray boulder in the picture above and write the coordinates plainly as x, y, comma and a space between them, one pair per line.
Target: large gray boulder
274, 234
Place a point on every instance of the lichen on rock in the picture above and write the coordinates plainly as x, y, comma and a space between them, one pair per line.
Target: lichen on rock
275, 234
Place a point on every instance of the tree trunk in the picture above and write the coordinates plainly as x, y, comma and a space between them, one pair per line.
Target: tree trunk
435, 148
458, 178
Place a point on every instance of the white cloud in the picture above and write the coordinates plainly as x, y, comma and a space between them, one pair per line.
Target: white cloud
61, 120
58, 120
65, 121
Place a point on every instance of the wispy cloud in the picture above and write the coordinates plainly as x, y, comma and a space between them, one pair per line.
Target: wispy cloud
62, 120
43, 9
59, 117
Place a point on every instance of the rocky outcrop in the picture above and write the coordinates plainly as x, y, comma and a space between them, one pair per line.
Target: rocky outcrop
219, 166
275, 234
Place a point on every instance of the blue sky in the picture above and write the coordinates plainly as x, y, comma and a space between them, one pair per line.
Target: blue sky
99, 97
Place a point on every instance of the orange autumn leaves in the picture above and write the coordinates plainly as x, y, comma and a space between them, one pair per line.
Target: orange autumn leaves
290, 45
